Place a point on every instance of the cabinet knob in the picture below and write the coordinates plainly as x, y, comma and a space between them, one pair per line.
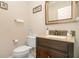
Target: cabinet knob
48, 56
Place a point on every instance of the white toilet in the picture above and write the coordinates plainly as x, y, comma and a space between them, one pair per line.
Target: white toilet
24, 51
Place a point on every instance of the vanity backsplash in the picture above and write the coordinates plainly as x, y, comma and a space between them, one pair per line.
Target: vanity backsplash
61, 32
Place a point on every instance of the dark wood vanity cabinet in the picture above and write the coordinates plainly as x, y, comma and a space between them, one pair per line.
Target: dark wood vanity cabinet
47, 48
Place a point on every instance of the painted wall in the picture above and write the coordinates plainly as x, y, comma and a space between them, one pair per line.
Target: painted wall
37, 23
37, 20
10, 30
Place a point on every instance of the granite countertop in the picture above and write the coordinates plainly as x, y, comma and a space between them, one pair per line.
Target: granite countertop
59, 38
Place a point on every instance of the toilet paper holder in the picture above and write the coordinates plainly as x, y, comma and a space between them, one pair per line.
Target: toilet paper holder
15, 41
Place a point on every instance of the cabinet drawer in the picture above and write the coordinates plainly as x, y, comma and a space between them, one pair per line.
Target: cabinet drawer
59, 45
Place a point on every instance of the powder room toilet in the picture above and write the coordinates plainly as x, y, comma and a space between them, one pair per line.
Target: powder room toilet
24, 51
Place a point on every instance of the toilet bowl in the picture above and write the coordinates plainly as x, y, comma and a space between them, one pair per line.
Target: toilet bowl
24, 51
21, 51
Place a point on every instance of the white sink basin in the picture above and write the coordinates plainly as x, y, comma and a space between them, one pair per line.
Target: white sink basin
56, 37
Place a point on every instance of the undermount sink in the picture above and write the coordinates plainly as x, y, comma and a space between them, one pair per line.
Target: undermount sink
55, 36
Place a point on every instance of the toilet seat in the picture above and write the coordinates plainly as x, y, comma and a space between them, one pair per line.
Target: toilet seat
22, 49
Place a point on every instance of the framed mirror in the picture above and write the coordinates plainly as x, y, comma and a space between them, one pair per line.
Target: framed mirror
57, 12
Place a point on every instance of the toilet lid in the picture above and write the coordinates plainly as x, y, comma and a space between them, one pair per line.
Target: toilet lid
21, 49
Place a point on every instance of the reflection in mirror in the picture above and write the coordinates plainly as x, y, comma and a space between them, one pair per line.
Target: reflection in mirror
59, 10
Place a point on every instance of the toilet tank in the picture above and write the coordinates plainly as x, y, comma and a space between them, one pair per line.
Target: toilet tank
31, 41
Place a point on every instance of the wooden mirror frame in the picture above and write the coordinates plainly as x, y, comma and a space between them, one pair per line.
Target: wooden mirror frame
72, 19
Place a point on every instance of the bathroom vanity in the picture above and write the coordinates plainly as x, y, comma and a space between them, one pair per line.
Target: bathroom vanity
52, 47
47, 48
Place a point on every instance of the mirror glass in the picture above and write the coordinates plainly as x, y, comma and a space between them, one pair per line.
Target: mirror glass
59, 10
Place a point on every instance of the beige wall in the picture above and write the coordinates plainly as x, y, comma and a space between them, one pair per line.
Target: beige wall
10, 30
37, 22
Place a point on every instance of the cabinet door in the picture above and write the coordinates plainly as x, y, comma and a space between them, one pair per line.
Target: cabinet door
42, 53
57, 54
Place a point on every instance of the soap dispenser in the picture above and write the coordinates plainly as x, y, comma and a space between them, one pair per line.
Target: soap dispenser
47, 31
69, 35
